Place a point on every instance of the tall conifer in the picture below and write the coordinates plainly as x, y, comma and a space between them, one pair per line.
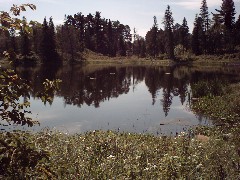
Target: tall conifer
168, 25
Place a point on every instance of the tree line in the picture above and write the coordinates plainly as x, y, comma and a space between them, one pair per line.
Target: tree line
209, 36
69, 40
217, 33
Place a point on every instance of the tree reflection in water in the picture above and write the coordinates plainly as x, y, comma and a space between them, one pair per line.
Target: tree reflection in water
92, 85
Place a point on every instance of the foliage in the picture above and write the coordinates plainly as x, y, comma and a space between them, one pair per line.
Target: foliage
8, 22
20, 157
208, 88
12, 88
111, 155
223, 107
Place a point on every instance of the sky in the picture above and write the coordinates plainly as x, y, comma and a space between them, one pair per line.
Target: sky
135, 13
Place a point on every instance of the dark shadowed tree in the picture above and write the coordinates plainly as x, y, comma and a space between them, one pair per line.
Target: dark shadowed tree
151, 39
237, 31
48, 43
197, 31
79, 24
184, 36
215, 43
227, 14
168, 26
204, 14
36, 36
25, 42
121, 46
110, 37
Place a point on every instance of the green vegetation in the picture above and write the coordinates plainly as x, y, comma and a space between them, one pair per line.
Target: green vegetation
223, 106
111, 155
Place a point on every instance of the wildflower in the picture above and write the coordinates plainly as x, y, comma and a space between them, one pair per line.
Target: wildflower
111, 157
199, 166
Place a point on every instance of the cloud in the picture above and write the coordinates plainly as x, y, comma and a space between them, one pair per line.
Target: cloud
196, 4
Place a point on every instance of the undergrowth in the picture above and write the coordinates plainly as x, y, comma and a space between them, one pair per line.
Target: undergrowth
111, 155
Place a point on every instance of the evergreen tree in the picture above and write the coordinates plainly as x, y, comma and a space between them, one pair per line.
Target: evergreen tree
25, 43
237, 31
48, 43
89, 32
184, 36
52, 40
154, 38
142, 48
227, 14
177, 34
205, 24
151, 39
215, 43
79, 24
204, 14
134, 50
98, 32
44, 42
196, 35
168, 25
36, 36
121, 46
161, 41
70, 38
110, 36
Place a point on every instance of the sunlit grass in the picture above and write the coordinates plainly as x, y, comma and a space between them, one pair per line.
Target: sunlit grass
111, 155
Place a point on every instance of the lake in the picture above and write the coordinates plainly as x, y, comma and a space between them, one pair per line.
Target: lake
141, 99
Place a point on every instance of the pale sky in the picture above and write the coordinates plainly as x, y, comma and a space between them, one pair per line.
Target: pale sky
135, 13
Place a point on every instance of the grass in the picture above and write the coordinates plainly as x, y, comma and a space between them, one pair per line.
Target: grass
111, 155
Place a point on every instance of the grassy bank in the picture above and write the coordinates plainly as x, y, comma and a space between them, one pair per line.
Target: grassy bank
110, 155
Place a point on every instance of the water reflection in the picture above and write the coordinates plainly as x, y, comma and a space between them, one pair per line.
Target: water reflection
131, 98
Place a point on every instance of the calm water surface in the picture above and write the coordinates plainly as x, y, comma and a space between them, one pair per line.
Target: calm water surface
131, 99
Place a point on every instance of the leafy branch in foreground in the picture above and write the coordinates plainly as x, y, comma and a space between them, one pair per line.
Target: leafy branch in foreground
19, 155
12, 88
7, 22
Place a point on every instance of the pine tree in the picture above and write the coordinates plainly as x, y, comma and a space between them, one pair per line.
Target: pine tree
25, 45
44, 42
98, 30
237, 31
184, 37
110, 39
48, 43
227, 13
52, 39
151, 39
121, 46
215, 43
204, 14
79, 24
196, 35
168, 25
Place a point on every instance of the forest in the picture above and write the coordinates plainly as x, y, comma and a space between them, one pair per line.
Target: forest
213, 33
